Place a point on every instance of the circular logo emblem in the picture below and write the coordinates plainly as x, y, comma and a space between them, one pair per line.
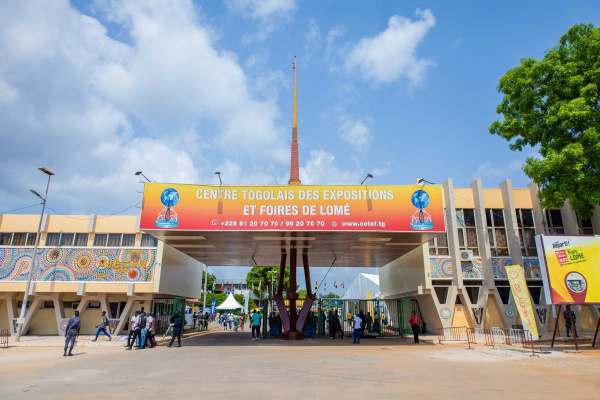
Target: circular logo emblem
509, 312
420, 199
334, 224
576, 282
63, 325
169, 197
445, 313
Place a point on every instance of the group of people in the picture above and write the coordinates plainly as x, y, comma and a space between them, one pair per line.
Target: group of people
202, 320
142, 330
233, 321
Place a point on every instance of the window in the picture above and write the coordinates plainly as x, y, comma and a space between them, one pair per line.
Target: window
100, 239
52, 239
19, 239
128, 240
93, 304
503, 288
48, 304
438, 246
555, 222
151, 241
5, 239
496, 232
66, 239
526, 228
114, 239
31, 239
467, 231
81, 239
585, 226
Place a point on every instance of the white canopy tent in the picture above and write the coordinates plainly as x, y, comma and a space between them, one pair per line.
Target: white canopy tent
362, 284
230, 303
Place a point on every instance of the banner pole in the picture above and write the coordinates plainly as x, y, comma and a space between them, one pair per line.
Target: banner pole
596, 334
573, 330
556, 324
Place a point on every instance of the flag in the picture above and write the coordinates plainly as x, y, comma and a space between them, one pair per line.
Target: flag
253, 286
221, 286
316, 286
335, 284
325, 286
260, 285
241, 285
342, 285
213, 286
232, 288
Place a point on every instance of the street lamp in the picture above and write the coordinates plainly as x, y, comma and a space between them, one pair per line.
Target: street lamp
140, 173
423, 181
367, 177
21, 319
220, 180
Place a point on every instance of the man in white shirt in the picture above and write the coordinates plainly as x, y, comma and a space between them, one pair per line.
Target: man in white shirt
357, 325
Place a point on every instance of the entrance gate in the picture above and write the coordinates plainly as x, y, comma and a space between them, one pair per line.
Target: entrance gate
329, 318
164, 308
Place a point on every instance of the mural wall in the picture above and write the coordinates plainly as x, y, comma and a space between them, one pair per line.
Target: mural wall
441, 268
75, 264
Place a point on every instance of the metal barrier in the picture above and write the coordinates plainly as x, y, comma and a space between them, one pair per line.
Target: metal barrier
495, 337
4, 338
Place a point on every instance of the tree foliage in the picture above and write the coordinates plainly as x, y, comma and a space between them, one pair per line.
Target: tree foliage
209, 283
554, 103
258, 274
331, 295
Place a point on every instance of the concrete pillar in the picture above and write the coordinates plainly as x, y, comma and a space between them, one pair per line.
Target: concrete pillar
539, 216
482, 234
569, 220
596, 221
452, 232
510, 221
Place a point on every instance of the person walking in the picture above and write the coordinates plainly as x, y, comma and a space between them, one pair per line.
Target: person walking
242, 321
225, 321
230, 319
102, 327
142, 327
357, 324
72, 333
235, 322
414, 324
255, 320
570, 319
135, 333
176, 321
150, 327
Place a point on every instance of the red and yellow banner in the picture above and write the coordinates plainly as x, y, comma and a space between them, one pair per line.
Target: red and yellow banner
297, 208
570, 267
518, 287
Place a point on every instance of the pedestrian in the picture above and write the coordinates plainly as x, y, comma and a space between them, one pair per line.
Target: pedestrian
143, 318
72, 333
414, 324
255, 321
136, 331
102, 327
570, 319
362, 316
242, 321
357, 324
235, 322
230, 319
225, 321
206, 320
150, 324
176, 321
199, 317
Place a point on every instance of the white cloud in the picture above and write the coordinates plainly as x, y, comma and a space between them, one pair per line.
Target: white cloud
331, 52
261, 9
312, 40
320, 169
355, 132
95, 110
489, 170
390, 55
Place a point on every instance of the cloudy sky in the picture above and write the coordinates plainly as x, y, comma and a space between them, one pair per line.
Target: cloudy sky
97, 90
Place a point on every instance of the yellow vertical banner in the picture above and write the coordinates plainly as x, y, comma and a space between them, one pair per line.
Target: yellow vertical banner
518, 287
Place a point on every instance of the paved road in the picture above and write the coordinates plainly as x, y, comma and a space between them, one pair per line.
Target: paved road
230, 365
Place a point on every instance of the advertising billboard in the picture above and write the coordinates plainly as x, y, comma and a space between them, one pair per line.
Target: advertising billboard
294, 208
570, 267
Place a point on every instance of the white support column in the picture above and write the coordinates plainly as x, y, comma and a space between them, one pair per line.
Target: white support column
569, 219
38, 302
452, 232
539, 217
510, 222
482, 234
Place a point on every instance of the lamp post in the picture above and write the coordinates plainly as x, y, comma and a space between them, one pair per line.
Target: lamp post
140, 173
424, 181
367, 177
272, 288
219, 174
21, 320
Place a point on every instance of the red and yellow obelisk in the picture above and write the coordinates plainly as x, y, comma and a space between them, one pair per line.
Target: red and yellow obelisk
294, 166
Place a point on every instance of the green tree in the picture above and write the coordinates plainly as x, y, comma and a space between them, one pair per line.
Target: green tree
554, 103
258, 274
209, 283
331, 295
302, 294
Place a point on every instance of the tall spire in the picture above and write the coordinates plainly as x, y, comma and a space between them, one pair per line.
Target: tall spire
294, 167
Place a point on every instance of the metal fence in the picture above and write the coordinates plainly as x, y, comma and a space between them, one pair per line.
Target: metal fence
333, 318
495, 337
4, 338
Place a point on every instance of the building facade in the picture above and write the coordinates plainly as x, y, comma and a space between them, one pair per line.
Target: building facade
459, 277
92, 264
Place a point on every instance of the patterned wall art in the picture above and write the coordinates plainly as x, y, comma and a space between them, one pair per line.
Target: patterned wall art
509, 312
440, 267
445, 313
472, 269
76, 264
532, 267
